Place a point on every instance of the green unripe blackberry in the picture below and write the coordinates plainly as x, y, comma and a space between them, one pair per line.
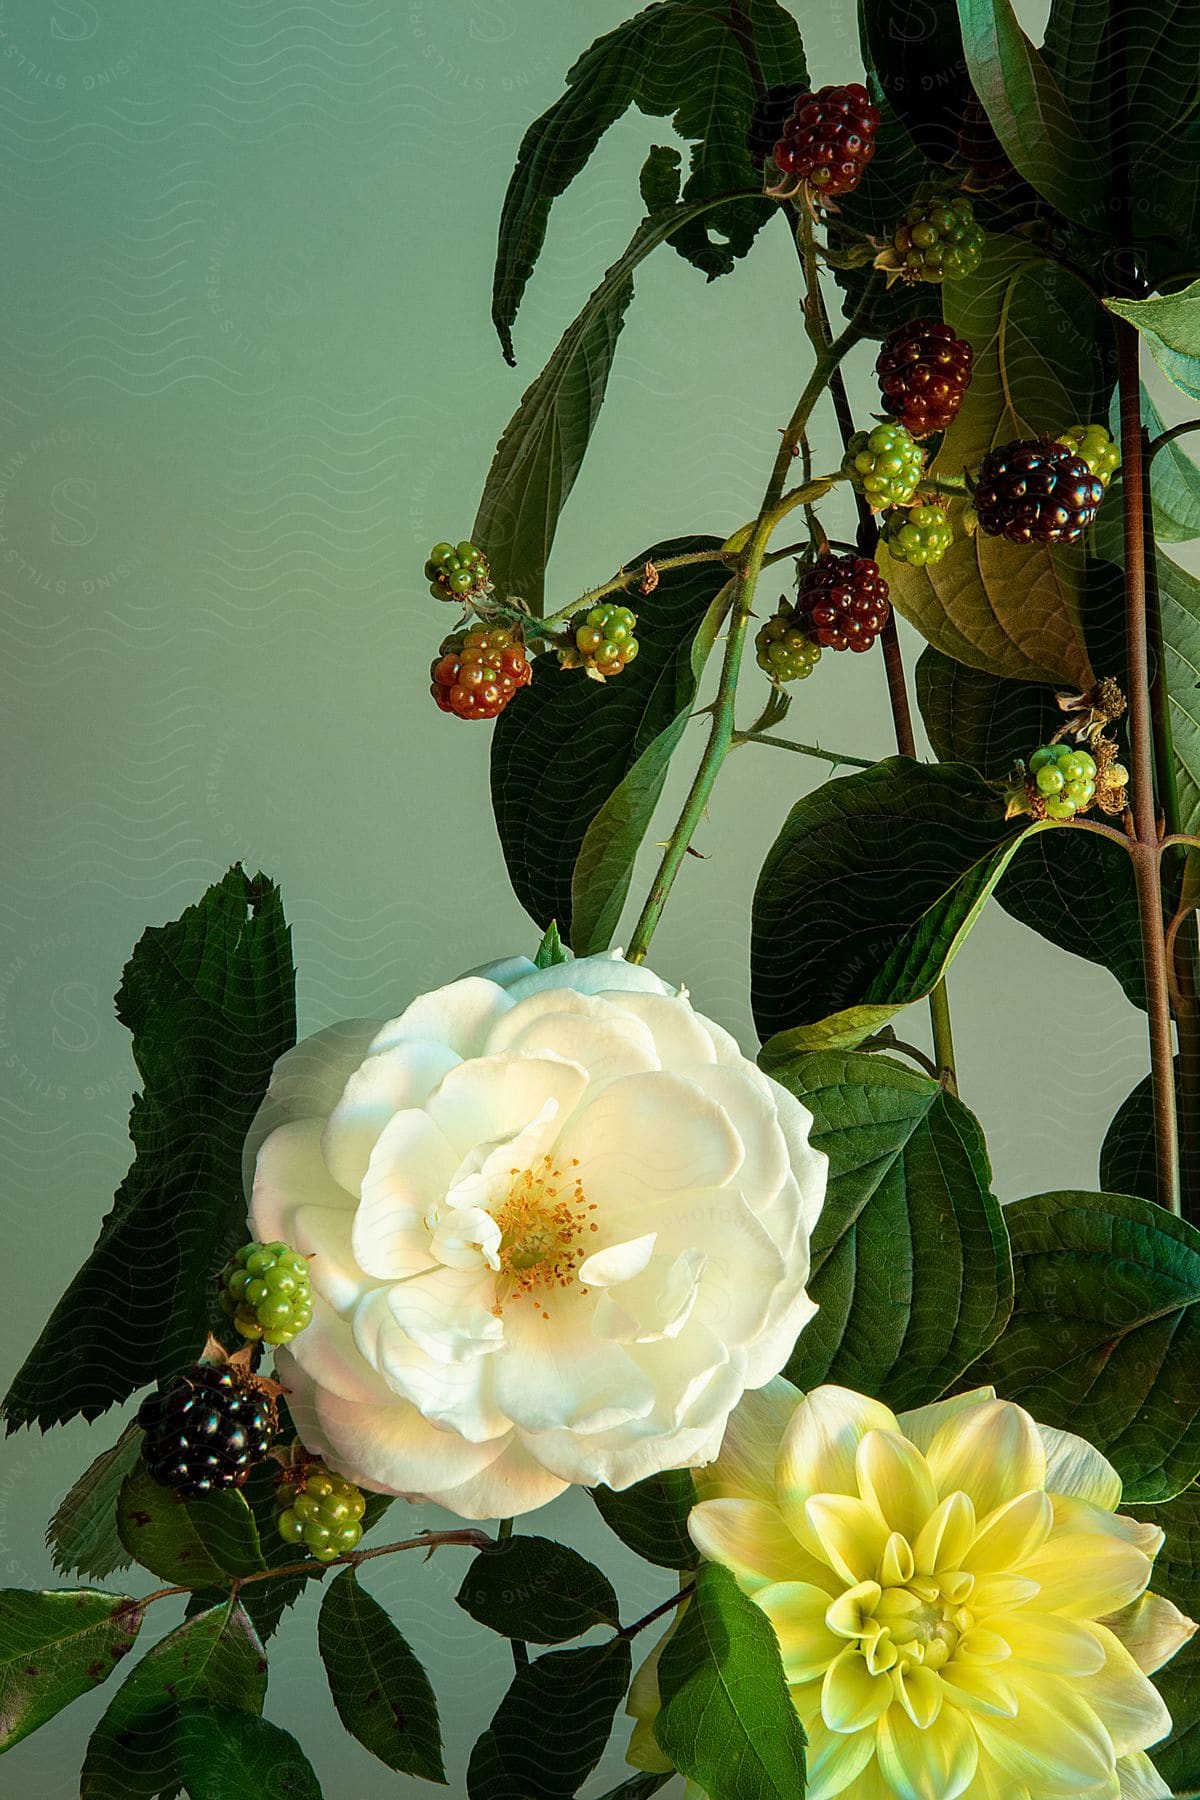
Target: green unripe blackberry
604, 638
1093, 445
455, 570
884, 465
936, 240
318, 1510
918, 534
1065, 779
783, 650
265, 1290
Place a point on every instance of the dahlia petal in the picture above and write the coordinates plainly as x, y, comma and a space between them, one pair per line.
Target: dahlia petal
851, 1697
817, 1455
1012, 1533
1000, 1593
991, 1452
921, 1424
490, 1099
1056, 1743
750, 1538
1140, 1780
1091, 1564
920, 1693
894, 1478
1075, 1468
836, 1759
1126, 1700
979, 1690
1152, 1630
846, 1533
797, 1611
937, 1764
945, 1539
407, 1179
745, 1469
462, 1014
1044, 1640
395, 1081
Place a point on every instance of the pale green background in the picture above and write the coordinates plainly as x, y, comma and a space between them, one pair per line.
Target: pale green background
249, 379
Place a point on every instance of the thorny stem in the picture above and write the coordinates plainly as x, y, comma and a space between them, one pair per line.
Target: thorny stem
430, 1541
625, 579
835, 757
629, 1631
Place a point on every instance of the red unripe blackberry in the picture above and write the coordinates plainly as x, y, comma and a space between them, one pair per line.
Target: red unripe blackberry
206, 1429
842, 602
772, 111
924, 370
1035, 491
829, 139
478, 672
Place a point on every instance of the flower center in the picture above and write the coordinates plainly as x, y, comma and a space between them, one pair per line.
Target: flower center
544, 1223
918, 1622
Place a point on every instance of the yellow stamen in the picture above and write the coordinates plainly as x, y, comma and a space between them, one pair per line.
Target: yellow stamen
543, 1222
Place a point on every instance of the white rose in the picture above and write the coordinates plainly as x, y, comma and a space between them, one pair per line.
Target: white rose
558, 1225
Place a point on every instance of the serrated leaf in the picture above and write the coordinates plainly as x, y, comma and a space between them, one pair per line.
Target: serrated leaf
1105, 1332
211, 1004
82, 1536
914, 49
381, 1692
1128, 1161
660, 178
577, 766
54, 1648
1030, 116
190, 1543
550, 1729
544, 443
133, 1754
1075, 889
223, 1752
651, 1517
1169, 325
1174, 478
911, 1267
536, 1590
1042, 362
1177, 1578
689, 58
867, 895
727, 1719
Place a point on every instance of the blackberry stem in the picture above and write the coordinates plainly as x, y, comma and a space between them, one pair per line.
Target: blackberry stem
520, 1650
835, 757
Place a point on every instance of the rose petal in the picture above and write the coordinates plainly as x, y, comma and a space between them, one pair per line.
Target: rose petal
401, 1193
460, 1015
290, 1173
556, 1374
449, 1313
607, 973
651, 1135
458, 1397
615, 1263
490, 1099
396, 1081
598, 1034
307, 1082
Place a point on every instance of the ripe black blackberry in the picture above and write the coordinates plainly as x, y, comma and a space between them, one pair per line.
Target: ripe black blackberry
207, 1428
1036, 491
924, 370
842, 602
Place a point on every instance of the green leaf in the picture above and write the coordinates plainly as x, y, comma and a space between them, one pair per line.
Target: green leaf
911, 1267
1177, 1578
55, 1647
381, 1692
210, 1002
914, 49
550, 1729
534, 1589
1030, 116
1170, 326
681, 57
133, 1754
1075, 889
867, 895
639, 1787
660, 178
1042, 362
1128, 1164
727, 1719
570, 823
650, 1517
1105, 1333
223, 1753
544, 443
82, 1536
1174, 478
1179, 598
189, 1543
551, 951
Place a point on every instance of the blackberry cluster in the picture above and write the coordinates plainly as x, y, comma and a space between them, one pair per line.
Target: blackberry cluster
842, 602
478, 672
918, 534
829, 139
937, 240
1094, 446
885, 465
266, 1291
604, 640
782, 649
1036, 491
320, 1510
771, 113
206, 1429
454, 571
1065, 779
924, 371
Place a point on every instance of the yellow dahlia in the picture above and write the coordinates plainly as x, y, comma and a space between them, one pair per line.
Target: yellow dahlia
960, 1608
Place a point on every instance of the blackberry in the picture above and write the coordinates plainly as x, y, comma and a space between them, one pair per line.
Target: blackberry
842, 603
1093, 445
456, 570
603, 639
478, 672
782, 649
1036, 491
936, 240
771, 113
918, 534
265, 1290
829, 140
884, 465
320, 1510
924, 370
207, 1428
